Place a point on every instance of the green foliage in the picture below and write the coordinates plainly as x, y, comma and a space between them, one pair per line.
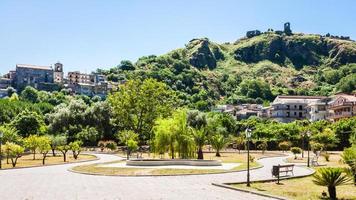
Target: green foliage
30, 94
89, 136
295, 151
262, 146
76, 147
255, 89
44, 146
327, 138
56, 141
218, 142
10, 134
349, 157
331, 178
32, 143
13, 151
138, 104
284, 146
28, 123
347, 84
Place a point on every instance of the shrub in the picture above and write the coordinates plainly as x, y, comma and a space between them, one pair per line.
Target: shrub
295, 151
111, 145
316, 146
284, 146
252, 158
101, 145
326, 156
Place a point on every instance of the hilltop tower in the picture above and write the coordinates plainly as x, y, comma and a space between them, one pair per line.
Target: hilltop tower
287, 29
58, 72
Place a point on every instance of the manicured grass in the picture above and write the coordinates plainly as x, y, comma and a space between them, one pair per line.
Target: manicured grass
234, 157
300, 189
335, 160
304, 188
27, 160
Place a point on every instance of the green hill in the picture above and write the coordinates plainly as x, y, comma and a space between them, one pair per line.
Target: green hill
254, 69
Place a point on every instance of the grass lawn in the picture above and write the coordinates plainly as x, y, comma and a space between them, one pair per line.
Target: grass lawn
234, 157
300, 189
27, 160
304, 188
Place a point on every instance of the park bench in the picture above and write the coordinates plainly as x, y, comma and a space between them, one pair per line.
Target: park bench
277, 169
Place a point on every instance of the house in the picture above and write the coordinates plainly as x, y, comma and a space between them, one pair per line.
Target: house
289, 108
77, 77
318, 110
342, 106
245, 111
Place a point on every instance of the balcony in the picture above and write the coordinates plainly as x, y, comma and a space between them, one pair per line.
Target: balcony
340, 115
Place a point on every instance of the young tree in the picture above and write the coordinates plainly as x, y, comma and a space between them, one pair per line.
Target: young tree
64, 149
349, 157
218, 142
10, 134
56, 141
76, 147
32, 143
165, 136
126, 136
28, 123
200, 137
331, 178
15, 152
44, 147
284, 146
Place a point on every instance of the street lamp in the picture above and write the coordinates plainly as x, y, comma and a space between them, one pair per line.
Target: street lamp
248, 136
1, 134
308, 134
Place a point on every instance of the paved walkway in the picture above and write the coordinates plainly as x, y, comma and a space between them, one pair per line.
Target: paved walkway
55, 182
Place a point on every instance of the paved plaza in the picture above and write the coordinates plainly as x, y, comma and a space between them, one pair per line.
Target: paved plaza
56, 182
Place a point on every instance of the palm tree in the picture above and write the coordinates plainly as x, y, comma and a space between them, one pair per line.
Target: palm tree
218, 142
330, 177
199, 136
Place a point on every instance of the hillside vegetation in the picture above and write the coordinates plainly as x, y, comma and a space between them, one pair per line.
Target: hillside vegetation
256, 69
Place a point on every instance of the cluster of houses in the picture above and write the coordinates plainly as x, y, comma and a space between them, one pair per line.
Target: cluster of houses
51, 78
289, 108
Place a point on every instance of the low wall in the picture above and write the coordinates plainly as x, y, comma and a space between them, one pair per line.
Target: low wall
161, 162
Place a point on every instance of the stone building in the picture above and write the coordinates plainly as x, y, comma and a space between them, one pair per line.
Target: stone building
77, 77
33, 75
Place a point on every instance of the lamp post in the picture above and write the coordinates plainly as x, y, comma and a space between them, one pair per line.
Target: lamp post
1, 134
248, 136
308, 134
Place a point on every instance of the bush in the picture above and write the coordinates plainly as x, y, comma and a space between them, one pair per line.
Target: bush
295, 151
263, 146
284, 146
111, 145
316, 146
252, 158
326, 155
102, 145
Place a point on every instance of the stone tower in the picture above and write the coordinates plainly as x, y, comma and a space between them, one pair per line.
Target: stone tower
58, 72
287, 29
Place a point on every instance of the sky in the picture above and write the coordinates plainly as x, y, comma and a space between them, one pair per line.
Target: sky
88, 34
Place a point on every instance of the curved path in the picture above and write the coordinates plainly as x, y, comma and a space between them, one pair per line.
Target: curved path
56, 182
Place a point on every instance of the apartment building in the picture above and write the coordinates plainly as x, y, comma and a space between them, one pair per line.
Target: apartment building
341, 106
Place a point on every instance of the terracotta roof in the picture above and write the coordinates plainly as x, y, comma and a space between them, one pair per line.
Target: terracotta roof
300, 97
34, 66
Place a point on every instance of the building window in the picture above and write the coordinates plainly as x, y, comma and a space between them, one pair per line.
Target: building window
300, 107
300, 114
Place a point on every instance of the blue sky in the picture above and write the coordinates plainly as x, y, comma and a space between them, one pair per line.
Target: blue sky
87, 34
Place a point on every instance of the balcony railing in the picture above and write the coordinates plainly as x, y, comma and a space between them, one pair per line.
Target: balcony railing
340, 115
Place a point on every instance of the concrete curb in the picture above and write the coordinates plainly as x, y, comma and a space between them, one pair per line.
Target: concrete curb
48, 165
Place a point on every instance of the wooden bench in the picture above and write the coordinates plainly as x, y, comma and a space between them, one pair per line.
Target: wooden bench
277, 169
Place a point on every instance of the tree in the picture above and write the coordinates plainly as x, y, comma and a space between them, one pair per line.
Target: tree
284, 146
10, 134
331, 178
165, 136
64, 149
10, 91
138, 104
76, 147
295, 151
131, 146
15, 151
30, 94
28, 123
200, 138
126, 65
349, 157
56, 141
256, 88
99, 115
44, 147
262, 146
239, 141
185, 141
218, 142
32, 143
327, 138
89, 135
125, 136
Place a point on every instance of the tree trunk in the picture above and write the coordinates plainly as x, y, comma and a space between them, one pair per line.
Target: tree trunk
200, 153
34, 155
53, 152
332, 192
43, 160
7, 159
217, 153
172, 151
13, 162
64, 156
